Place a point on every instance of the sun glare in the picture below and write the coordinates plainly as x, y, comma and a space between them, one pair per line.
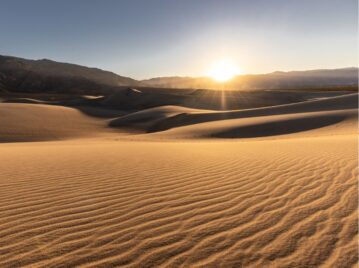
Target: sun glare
223, 71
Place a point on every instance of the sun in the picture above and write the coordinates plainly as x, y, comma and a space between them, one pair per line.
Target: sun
223, 71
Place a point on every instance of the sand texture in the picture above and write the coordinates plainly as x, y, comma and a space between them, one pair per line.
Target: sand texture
172, 186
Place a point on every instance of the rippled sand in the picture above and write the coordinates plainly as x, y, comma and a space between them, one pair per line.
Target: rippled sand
286, 200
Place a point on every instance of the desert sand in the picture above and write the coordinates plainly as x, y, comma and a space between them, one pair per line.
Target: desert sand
174, 186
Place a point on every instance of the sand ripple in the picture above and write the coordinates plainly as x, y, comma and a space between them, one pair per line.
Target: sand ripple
279, 203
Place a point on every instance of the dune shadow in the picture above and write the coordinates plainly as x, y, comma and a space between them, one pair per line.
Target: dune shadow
100, 112
349, 101
280, 127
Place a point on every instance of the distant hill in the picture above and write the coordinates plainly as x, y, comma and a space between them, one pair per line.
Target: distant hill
276, 80
47, 76
22, 75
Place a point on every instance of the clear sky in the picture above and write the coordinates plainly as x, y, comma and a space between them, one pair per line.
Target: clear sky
151, 38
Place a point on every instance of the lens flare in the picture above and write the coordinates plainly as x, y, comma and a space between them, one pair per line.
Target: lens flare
223, 71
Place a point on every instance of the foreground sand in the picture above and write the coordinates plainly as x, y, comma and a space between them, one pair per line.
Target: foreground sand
273, 203
177, 187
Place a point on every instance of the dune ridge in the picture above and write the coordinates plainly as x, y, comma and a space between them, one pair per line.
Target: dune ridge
42, 122
168, 122
349, 101
342, 122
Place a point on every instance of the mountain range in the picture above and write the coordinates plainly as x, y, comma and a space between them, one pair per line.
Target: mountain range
276, 80
24, 75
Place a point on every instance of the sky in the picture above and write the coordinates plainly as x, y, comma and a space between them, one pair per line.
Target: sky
152, 38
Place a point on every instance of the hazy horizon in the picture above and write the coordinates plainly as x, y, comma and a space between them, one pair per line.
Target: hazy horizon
131, 39
187, 76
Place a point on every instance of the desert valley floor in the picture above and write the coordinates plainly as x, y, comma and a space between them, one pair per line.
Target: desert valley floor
175, 186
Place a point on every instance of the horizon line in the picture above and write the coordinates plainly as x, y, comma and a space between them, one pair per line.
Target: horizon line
184, 76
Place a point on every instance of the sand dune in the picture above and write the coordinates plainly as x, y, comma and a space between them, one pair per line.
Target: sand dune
37, 122
303, 124
178, 122
327, 104
267, 187
131, 98
41, 122
144, 120
31, 122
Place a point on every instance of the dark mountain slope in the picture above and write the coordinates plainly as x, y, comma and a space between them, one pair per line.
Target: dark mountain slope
46, 76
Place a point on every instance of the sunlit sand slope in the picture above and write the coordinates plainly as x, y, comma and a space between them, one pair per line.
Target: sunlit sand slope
346, 102
275, 126
328, 116
40, 122
276, 203
37, 122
